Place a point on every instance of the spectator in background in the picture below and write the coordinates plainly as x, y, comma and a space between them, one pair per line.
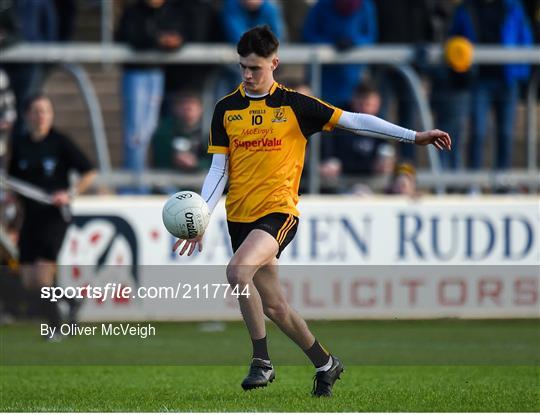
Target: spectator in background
294, 14
503, 22
344, 24
36, 22
239, 16
66, 11
298, 86
403, 181
414, 22
146, 25
9, 33
533, 11
8, 110
179, 142
451, 97
345, 153
45, 158
200, 23
11, 291
8, 115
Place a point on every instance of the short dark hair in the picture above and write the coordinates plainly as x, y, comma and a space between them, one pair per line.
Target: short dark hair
33, 98
187, 94
366, 88
260, 40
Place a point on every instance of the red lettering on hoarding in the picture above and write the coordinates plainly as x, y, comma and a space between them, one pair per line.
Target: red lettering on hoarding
526, 291
356, 298
490, 288
412, 286
307, 299
383, 293
444, 297
336, 290
288, 290
388, 292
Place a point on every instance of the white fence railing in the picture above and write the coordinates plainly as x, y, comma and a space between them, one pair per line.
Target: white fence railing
222, 54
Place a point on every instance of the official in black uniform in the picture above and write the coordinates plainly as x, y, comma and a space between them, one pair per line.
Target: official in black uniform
44, 157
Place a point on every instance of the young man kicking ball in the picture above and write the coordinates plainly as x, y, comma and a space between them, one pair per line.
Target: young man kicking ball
258, 137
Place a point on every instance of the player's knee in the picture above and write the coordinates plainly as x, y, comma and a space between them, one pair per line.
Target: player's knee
239, 272
238, 275
277, 311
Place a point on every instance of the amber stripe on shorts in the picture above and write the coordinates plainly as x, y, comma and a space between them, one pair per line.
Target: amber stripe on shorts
286, 231
283, 227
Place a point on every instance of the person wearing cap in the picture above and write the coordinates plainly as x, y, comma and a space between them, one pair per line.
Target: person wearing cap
452, 97
403, 180
490, 22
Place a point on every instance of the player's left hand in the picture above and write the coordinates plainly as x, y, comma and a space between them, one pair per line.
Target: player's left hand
438, 138
189, 245
61, 198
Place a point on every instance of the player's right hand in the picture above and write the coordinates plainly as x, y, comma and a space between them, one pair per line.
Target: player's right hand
61, 198
189, 245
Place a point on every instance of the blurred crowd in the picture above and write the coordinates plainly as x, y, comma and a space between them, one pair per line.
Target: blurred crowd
162, 104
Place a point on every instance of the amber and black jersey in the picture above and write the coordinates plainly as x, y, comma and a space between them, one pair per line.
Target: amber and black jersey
265, 139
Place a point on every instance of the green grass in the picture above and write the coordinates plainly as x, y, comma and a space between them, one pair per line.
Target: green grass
443, 365
216, 388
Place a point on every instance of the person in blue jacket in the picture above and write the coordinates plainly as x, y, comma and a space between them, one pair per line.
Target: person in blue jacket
241, 15
344, 24
501, 22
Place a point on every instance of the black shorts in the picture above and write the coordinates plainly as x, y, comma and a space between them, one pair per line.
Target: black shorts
281, 226
41, 236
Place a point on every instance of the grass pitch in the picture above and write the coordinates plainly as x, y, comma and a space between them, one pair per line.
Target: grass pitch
442, 365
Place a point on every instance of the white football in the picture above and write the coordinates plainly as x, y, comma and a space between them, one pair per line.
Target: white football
186, 215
